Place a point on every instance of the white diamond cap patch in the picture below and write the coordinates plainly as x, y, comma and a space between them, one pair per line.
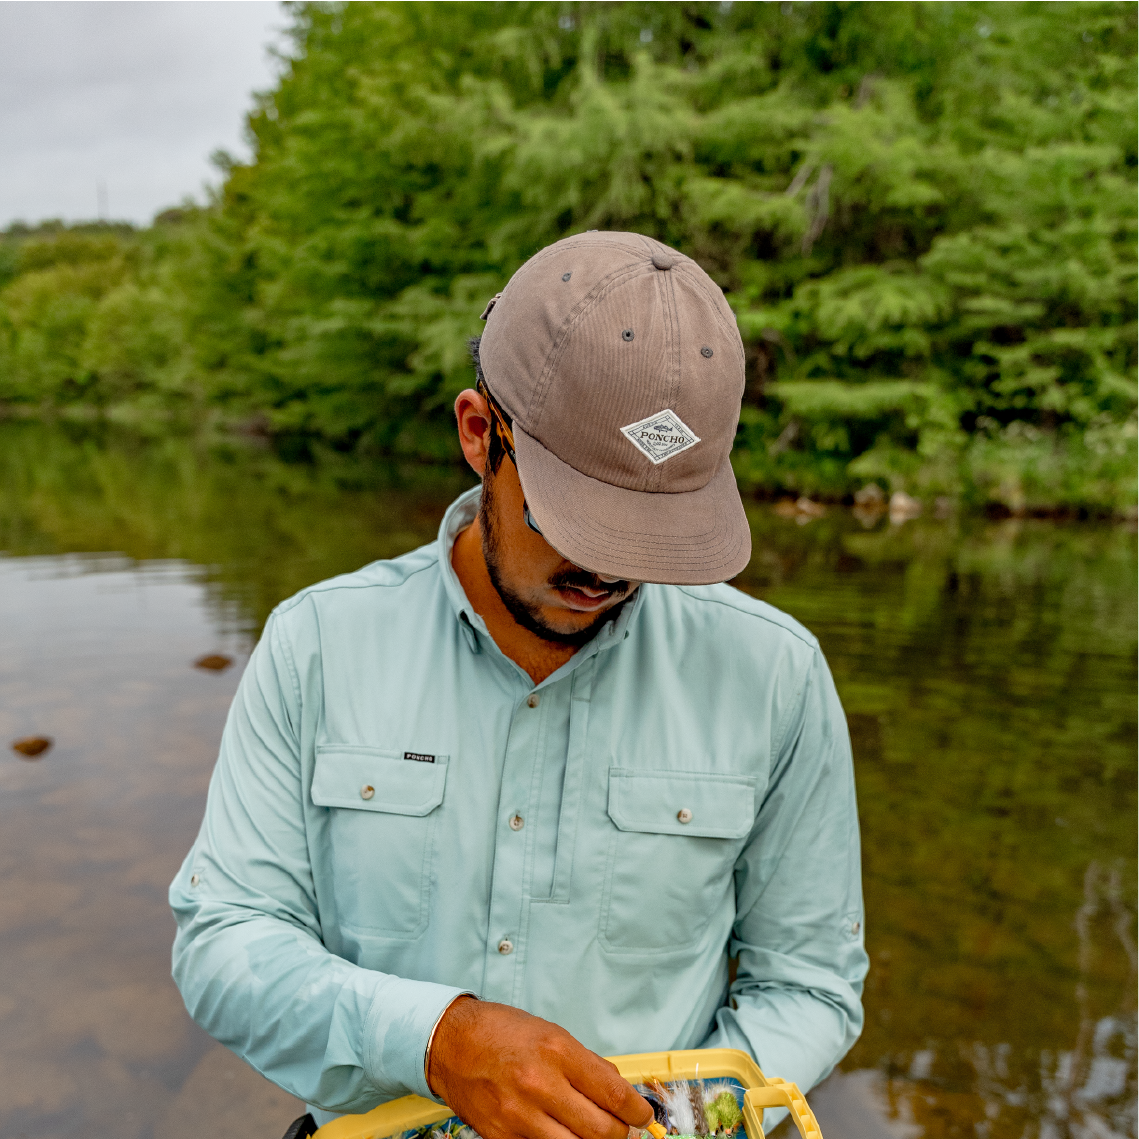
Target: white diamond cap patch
661, 436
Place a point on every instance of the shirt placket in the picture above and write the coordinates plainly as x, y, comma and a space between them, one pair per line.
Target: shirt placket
515, 842
573, 787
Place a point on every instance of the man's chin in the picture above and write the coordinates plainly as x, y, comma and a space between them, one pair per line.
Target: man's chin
566, 626
571, 623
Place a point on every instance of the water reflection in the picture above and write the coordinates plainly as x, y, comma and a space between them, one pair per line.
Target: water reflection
97, 652
1089, 1083
988, 675
987, 668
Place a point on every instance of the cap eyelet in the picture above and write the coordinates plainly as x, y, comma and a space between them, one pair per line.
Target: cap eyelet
566, 276
627, 335
706, 352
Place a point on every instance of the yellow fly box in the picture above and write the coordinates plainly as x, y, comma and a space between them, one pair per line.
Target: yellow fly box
760, 1091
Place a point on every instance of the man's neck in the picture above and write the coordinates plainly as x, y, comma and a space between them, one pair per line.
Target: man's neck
534, 655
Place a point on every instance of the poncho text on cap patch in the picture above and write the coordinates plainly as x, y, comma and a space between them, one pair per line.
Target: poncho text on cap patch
419, 756
661, 436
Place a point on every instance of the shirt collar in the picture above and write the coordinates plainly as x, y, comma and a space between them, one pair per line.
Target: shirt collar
460, 514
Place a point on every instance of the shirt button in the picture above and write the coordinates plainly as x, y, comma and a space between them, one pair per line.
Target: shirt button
194, 879
855, 927
367, 791
517, 822
684, 815
532, 699
505, 946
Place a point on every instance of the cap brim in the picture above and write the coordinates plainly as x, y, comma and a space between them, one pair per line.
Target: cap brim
695, 537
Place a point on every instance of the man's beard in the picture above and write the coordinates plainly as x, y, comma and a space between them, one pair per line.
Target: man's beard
528, 615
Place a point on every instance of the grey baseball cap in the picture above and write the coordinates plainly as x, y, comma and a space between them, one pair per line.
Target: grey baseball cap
620, 364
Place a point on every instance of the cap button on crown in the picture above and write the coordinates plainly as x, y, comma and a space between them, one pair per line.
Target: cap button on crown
662, 260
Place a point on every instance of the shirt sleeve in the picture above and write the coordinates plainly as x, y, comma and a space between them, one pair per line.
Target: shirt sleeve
795, 1004
248, 956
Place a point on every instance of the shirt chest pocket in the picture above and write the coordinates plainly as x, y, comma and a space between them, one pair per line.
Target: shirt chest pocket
669, 873
381, 826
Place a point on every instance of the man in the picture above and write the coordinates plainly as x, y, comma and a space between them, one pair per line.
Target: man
494, 809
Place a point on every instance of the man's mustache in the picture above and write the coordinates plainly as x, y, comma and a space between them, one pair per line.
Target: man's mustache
583, 579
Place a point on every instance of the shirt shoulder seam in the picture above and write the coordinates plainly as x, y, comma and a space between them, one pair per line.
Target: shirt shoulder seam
793, 705
809, 639
336, 583
282, 639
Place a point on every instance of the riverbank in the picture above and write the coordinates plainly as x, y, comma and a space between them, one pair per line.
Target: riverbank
1043, 479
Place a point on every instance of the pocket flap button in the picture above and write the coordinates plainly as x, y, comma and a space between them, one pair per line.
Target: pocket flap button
367, 791
684, 815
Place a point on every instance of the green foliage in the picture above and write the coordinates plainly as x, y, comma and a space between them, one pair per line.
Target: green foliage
923, 215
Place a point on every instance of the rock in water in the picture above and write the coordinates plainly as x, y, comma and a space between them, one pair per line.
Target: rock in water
32, 747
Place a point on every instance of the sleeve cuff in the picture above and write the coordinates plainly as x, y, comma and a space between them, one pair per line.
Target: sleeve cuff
402, 1017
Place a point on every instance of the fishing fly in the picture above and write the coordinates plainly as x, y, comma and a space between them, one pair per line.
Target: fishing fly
695, 1108
687, 1109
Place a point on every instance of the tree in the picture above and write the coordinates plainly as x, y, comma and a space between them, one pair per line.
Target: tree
923, 215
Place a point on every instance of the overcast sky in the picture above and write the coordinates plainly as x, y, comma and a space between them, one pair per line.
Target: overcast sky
135, 95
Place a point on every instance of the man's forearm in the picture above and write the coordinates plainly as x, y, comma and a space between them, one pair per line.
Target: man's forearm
249, 957
792, 1033
796, 1002
337, 1036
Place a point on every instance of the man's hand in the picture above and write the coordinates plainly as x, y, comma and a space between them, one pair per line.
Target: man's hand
509, 1074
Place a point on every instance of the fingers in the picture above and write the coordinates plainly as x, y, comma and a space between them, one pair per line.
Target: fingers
543, 1105
584, 1118
511, 1075
599, 1081
548, 1128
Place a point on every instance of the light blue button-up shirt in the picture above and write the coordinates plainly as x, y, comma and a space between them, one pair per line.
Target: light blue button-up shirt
398, 815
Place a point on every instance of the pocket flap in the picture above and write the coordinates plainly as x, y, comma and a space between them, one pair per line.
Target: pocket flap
368, 779
660, 802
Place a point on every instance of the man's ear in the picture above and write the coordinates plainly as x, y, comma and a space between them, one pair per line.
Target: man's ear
473, 418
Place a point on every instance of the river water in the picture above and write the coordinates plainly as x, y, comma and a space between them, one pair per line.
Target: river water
988, 673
